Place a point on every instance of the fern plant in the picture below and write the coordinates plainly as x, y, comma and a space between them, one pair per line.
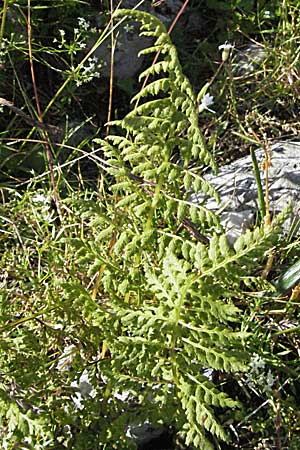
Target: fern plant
165, 275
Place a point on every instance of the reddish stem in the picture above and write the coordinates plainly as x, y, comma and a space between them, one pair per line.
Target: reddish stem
40, 115
175, 20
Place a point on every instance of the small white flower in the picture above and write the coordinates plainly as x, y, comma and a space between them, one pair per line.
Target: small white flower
87, 73
84, 24
62, 32
257, 363
269, 381
206, 101
77, 399
40, 198
93, 60
226, 49
123, 396
128, 28
226, 46
67, 430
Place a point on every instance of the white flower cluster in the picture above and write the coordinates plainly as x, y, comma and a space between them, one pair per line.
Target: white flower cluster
79, 41
43, 207
89, 72
12, 43
258, 376
83, 24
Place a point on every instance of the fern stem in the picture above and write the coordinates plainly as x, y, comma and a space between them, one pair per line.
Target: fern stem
154, 202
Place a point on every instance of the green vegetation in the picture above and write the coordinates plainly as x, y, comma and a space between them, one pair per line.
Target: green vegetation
122, 302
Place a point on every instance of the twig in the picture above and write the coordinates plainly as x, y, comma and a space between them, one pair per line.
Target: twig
192, 229
29, 120
266, 402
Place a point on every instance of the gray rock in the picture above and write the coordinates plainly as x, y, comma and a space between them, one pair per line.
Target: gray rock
147, 436
127, 62
248, 58
236, 185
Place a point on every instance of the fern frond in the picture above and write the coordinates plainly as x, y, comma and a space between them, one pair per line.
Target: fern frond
155, 69
154, 88
166, 266
162, 108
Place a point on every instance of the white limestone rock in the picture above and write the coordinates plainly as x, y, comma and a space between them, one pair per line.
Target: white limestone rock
247, 59
237, 189
128, 62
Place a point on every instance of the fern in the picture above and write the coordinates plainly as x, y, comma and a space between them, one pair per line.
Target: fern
167, 277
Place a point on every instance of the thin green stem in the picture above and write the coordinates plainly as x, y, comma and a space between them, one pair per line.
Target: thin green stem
287, 331
3, 20
155, 200
260, 194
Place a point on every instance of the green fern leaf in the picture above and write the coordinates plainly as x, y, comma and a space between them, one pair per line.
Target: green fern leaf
154, 88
